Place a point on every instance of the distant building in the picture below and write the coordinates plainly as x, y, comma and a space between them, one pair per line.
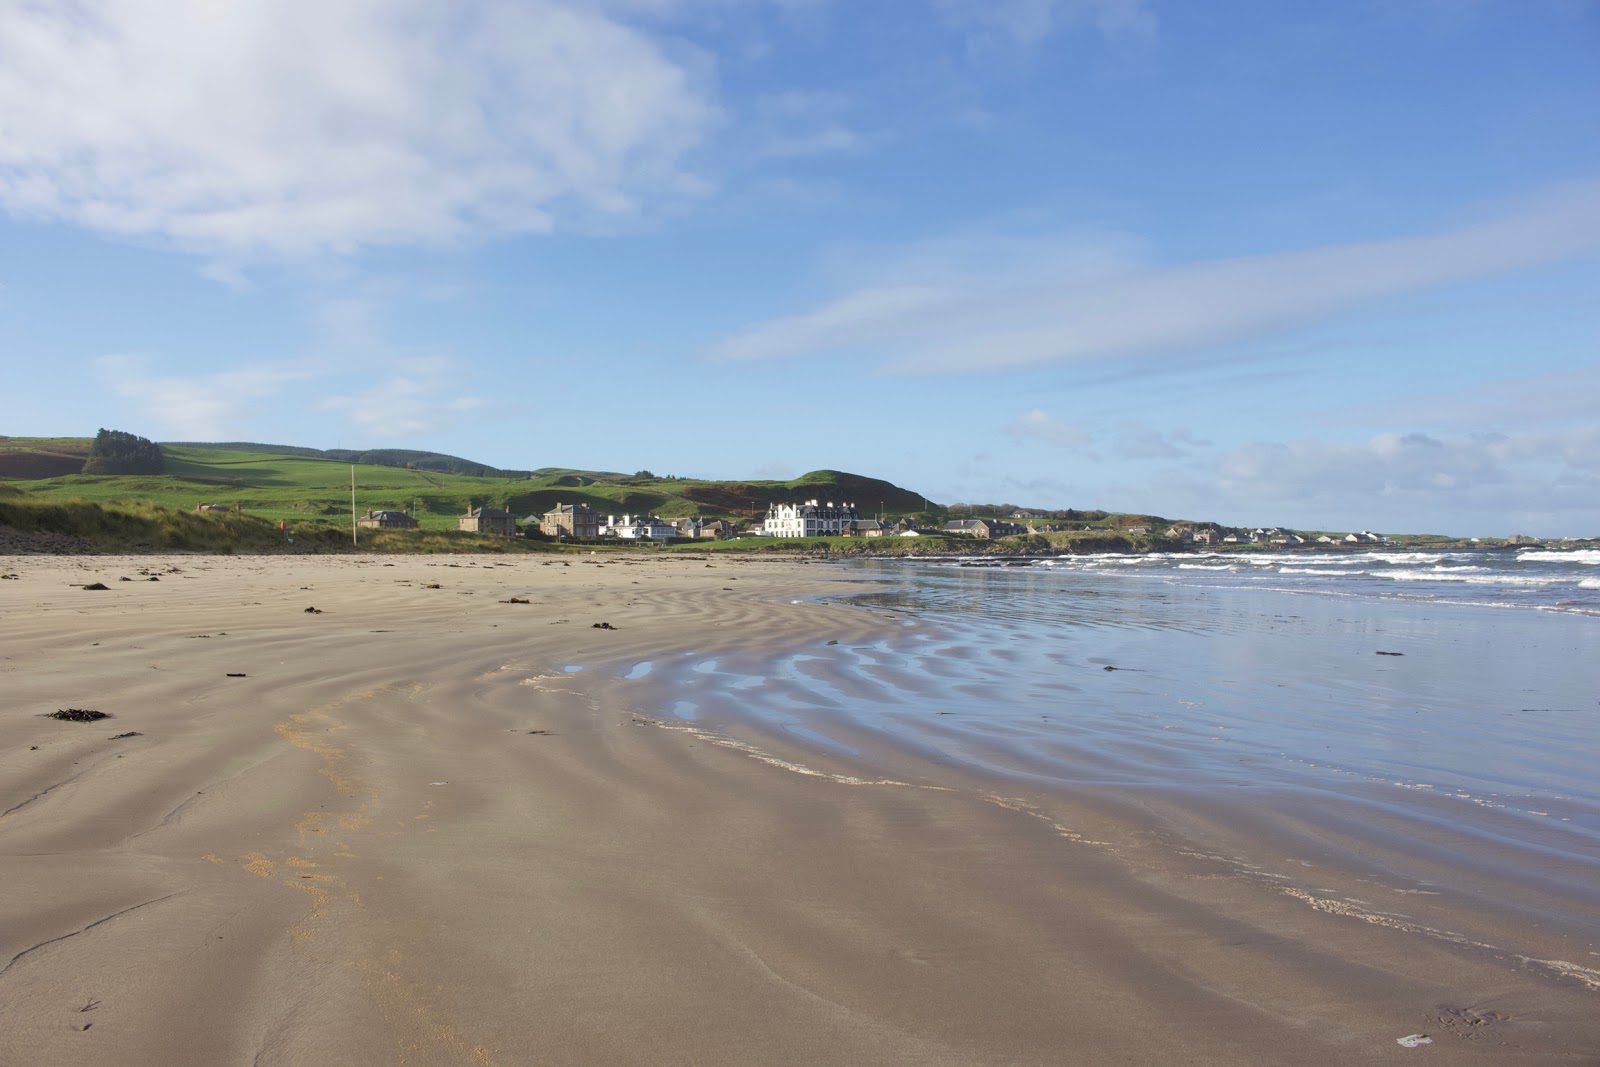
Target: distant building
388, 520
570, 520
986, 529
489, 521
714, 529
864, 528
810, 519
639, 528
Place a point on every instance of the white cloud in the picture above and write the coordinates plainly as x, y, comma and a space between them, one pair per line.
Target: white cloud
985, 316
293, 126
794, 124
1035, 425
1027, 22
1141, 443
1540, 400
206, 407
406, 405
413, 399
1394, 478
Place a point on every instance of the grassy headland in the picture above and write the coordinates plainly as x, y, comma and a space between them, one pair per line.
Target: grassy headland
291, 488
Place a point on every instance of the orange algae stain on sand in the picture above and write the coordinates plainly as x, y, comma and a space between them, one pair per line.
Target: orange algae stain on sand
258, 865
414, 1019
311, 731
428, 1037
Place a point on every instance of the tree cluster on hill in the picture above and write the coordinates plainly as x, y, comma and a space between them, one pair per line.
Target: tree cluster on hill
116, 452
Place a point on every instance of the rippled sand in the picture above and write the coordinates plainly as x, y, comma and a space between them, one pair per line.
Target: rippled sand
430, 826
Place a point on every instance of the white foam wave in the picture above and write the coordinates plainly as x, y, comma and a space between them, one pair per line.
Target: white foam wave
1407, 557
1589, 583
1589, 556
1469, 579
1339, 572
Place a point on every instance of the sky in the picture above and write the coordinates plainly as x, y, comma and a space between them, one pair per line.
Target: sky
1327, 266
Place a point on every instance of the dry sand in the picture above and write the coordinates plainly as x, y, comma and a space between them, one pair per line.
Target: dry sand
409, 835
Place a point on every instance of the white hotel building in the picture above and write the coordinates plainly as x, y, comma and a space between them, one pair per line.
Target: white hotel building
810, 519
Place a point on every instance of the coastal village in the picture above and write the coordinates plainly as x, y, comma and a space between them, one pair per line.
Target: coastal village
815, 518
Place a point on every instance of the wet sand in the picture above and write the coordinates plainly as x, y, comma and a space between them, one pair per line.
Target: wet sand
428, 826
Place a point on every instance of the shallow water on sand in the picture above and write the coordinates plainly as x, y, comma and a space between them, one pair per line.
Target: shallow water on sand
1484, 717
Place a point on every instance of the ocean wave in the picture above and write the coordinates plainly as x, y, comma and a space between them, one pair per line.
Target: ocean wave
1408, 557
1335, 572
1469, 579
1589, 556
1589, 583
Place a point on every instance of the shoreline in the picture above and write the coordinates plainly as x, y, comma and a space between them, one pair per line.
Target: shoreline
411, 832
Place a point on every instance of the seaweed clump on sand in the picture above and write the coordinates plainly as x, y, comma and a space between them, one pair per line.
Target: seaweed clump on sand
78, 715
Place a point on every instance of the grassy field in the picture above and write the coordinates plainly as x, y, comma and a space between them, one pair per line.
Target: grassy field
147, 527
305, 489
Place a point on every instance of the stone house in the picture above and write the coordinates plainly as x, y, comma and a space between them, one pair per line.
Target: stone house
984, 529
488, 520
570, 521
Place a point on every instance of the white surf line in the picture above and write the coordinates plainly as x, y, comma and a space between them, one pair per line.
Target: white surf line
723, 741
1017, 805
1023, 807
1588, 977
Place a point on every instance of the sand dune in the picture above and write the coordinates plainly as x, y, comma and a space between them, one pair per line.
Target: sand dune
428, 826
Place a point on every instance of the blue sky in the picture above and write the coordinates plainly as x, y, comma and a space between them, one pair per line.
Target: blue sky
1322, 265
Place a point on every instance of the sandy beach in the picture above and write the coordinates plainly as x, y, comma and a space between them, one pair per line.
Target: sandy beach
427, 823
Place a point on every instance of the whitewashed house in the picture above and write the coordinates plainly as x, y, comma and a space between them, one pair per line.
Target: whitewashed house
810, 519
638, 528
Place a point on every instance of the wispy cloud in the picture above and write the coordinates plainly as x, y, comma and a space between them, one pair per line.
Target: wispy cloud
1027, 22
992, 314
795, 124
406, 405
294, 126
383, 394
205, 407
1547, 476
1035, 425
1144, 443
1540, 400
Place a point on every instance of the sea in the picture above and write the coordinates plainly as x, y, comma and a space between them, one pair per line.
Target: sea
1451, 688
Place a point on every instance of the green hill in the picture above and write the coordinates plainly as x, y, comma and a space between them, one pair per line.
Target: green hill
279, 486
378, 457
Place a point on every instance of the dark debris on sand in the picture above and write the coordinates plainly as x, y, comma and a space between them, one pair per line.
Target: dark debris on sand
78, 715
